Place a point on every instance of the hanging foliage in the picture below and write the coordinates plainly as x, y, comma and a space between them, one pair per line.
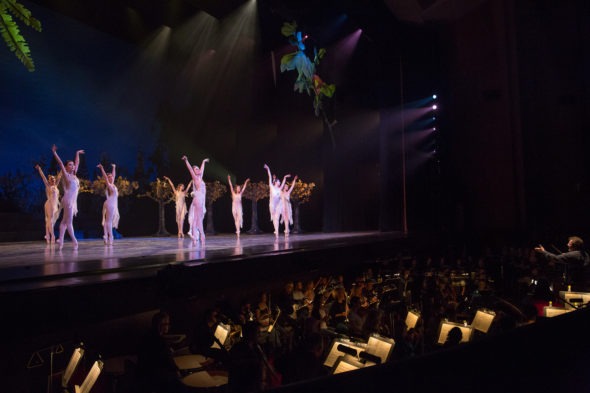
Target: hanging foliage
11, 33
307, 78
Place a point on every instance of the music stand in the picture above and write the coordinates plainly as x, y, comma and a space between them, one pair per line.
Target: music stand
550, 311
483, 320
346, 363
412, 319
446, 326
569, 296
90, 379
71, 367
335, 353
380, 346
221, 334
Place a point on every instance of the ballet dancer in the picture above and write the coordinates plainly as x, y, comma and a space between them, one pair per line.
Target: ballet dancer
236, 203
180, 194
287, 216
198, 202
274, 204
110, 207
52, 205
69, 201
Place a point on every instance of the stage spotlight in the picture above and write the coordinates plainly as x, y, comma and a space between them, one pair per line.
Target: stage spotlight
434, 107
434, 96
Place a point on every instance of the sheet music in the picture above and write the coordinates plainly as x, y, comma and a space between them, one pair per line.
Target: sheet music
221, 333
334, 353
344, 365
482, 321
379, 348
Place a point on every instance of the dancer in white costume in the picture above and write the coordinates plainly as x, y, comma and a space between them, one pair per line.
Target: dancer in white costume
274, 204
110, 207
69, 201
287, 216
198, 202
180, 194
51, 204
236, 204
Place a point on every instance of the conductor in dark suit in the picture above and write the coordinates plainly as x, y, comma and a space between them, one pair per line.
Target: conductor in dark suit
576, 260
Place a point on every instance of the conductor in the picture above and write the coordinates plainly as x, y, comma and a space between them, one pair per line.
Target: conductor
575, 260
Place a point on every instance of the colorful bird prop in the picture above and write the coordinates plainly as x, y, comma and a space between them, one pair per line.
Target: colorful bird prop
307, 79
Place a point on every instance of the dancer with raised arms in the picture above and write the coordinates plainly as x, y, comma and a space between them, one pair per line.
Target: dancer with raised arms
69, 200
287, 215
198, 202
274, 204
236, 203
180, 194
110, 207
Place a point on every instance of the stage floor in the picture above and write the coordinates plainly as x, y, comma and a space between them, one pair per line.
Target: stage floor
34, 265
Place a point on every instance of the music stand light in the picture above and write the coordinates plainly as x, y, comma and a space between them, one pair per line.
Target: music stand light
446, 326
91, 378
412, 319
550, 311
380, 346
221, 333
345, 364
335, 353
483, 320
72, 364
569, 295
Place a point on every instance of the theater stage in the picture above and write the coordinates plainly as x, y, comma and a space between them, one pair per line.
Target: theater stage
35, 265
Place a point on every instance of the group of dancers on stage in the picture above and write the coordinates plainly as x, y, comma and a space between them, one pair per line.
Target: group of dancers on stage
279, 201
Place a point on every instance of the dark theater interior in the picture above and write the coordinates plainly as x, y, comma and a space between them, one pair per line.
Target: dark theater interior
353, 196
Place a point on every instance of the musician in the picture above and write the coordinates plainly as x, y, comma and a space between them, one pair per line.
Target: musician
246, 362
204, 338
576, 260
356, 318
156, 367
268, 336
339, 310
